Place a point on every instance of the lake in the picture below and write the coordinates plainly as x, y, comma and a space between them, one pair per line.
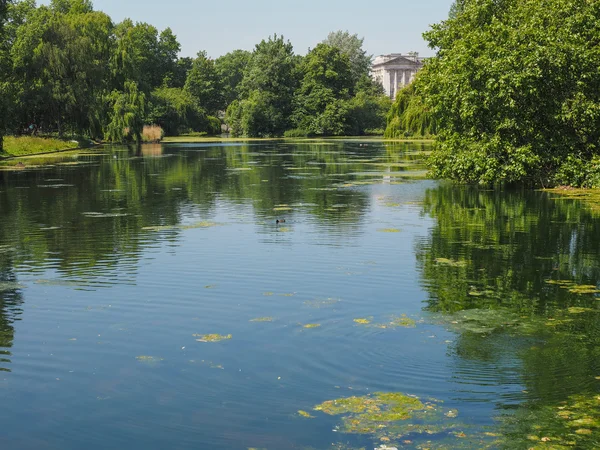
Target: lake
150, 300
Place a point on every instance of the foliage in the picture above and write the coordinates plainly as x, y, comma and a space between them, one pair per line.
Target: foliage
409, 116
176, 111
230, 69
514, 90
351, 46
127, 115
266, 91
321, 102
204, 84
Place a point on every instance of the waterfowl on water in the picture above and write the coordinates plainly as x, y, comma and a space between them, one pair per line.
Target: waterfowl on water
278, 221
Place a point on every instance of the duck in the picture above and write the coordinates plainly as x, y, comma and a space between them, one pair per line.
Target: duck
278, 221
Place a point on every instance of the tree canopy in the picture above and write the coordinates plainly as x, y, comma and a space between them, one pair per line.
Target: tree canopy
515, 91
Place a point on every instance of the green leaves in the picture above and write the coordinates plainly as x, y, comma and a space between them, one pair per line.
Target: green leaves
514, 90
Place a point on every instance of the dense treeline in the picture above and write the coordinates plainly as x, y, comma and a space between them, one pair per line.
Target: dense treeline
68, 69
514, 91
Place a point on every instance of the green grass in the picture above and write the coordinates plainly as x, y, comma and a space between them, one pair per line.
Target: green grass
30, 145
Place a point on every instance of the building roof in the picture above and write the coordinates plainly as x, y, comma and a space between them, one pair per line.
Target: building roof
398, 58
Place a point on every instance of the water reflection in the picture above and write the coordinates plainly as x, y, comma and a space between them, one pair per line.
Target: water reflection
505, 271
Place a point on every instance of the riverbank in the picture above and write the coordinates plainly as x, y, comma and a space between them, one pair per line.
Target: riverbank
15, 147
191, 139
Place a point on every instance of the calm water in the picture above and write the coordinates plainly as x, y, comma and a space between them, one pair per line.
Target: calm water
113, 265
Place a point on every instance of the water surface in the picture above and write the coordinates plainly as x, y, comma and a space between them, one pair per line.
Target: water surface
115, 264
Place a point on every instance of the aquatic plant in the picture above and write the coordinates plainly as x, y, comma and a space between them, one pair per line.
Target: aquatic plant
212, 337
311, 325
262, 319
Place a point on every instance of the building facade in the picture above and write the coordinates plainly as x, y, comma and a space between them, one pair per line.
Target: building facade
395, 71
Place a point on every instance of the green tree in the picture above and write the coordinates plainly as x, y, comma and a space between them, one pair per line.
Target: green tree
409, 116
515, 90
266, 91
321, 102
351, 45
204, 84
127, 114
4, 71
176, 111
230, 69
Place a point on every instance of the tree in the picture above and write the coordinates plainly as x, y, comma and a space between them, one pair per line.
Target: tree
230, 69
4, 71
127, 114
409, 116
176, 111
515, 90
351, 45
204, 84
267, 89
321, 101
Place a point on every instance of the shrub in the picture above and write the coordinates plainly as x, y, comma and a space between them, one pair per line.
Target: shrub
152, 133
296, 133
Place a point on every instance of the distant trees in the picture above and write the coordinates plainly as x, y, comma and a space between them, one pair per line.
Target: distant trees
67, 69
327, 93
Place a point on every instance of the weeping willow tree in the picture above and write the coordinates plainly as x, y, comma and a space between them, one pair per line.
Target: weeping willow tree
409, 116
127, 115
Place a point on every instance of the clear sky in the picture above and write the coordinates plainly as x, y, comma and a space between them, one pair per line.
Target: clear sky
388, 26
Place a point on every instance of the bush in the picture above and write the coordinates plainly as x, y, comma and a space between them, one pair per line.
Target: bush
214, 125
296, 133
578, 172
152, 133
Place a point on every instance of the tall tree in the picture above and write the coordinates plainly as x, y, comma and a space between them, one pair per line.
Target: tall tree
352, 46
4, 71
267, 90
321, 100
230, 69
204, 84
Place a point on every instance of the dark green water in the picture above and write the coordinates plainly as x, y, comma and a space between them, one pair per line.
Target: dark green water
481, 304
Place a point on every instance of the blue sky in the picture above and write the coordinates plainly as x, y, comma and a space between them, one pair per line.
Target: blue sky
218, 27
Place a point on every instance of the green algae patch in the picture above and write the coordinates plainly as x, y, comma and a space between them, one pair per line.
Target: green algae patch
311, 325
283, 208
305, 414
389, 230
263, 319
574, 288
150, 360
370, 413
397, 321
202, 224
578, 310
450, 262
322, 303
363, 321
10, 286
284, 229
212, 337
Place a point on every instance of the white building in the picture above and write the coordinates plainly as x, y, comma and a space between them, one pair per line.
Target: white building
395, 71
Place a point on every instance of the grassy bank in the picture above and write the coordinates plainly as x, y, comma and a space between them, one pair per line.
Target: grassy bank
187, 139
30, 145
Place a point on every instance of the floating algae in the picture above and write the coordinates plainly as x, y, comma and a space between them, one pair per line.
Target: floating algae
363, 321
397, 321
320, 303
573, 423
389, 230
450, 262
263, 319
150, 360
305, 414
394, 417
311, 325
100, 215
212, 337
574, 288
203, 224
